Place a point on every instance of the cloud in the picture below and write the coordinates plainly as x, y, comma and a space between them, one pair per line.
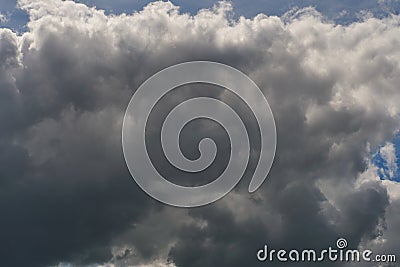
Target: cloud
66, 195
3, 18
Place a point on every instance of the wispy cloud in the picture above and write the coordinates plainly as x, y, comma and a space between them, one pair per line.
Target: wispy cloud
3, 18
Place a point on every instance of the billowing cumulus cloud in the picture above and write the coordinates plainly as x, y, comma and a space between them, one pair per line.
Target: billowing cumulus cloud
66, 195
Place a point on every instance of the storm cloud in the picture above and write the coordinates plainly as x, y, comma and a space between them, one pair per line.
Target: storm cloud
66, 195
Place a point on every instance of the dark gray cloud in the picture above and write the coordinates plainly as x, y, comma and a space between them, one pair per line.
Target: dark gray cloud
66, 195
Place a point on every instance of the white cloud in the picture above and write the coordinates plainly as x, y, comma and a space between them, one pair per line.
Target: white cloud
3, 18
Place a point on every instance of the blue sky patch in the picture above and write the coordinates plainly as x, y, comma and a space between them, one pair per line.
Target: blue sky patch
387, 159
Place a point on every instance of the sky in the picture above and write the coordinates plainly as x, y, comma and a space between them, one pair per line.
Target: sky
330, 72
387, 159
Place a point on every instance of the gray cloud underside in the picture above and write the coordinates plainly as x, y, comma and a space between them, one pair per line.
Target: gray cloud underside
66, 195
